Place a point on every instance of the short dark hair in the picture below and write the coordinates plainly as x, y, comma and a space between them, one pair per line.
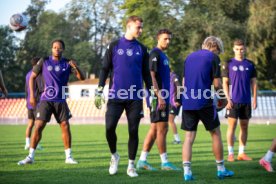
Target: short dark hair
35, 60
163, 31
133, 18
60, 41
238, 42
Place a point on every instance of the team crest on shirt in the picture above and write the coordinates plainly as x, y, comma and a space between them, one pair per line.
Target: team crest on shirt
166, 62
57, 68
129, 52
235, 68
120, 51
49, 68
137, 53
241, 68
246, 68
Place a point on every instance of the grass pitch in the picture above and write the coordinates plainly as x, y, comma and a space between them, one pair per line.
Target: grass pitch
90, 149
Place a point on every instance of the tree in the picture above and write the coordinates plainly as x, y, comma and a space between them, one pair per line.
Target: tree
8, 64
262, 39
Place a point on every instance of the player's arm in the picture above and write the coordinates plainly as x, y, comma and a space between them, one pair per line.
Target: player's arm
145, 69
254, 87
106, 66
76, 70
225, 83
178, 89
36, 70
153, 60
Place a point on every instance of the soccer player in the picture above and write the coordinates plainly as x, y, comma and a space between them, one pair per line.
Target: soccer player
127, 61
3, 88
265, 162
175, 104
201, 70
160, 75
238, 75
38, 86
55, 71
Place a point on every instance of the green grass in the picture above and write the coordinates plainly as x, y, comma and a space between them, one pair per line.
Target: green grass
91, 150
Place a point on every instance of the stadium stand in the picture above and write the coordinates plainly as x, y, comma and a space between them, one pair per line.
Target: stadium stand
14, 111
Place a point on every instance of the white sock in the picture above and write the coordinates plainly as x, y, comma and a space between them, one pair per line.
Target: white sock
268, 156
130, 164
27, 140
187, 167
143, 156
115, 156
176, 137
230, 150
68, 153
31, 153
241, 149
164, 158
220, 165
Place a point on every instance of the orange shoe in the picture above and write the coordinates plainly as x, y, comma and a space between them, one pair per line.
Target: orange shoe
231, 158
244, 157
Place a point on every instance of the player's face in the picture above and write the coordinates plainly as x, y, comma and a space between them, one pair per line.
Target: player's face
239, 51
57, 49
135, 28
164, 41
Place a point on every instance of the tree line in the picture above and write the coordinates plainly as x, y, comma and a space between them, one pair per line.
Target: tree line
87, 26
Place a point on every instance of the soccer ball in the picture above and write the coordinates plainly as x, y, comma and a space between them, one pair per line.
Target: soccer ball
18, 22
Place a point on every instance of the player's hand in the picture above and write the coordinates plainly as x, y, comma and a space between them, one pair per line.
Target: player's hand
73, 64
161, 104
254, 105
177, 104
32, 101
99, 97
229, 104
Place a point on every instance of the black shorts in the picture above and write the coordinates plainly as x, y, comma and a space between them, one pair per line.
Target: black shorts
241, 111
174, 110
159, 115
31, 114
115, 108
207, 115
45, 109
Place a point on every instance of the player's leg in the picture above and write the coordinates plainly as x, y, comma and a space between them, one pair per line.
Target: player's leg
36, 137
209, 118
62, 115
189, 124
174, 128
232, 116
43, 115
28, 132
266, 160
244, 115
114, 111
134, 111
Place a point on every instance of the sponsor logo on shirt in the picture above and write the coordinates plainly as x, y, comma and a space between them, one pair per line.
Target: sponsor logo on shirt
235, 68
120, 51
57, 68
129, 52
241, 68
49, 68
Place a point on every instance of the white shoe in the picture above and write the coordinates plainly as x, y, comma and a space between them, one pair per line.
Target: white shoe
27, 160
70, 160
27, 147
114, 165
132, 172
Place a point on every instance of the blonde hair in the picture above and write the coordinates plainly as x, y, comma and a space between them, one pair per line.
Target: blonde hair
211, 43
